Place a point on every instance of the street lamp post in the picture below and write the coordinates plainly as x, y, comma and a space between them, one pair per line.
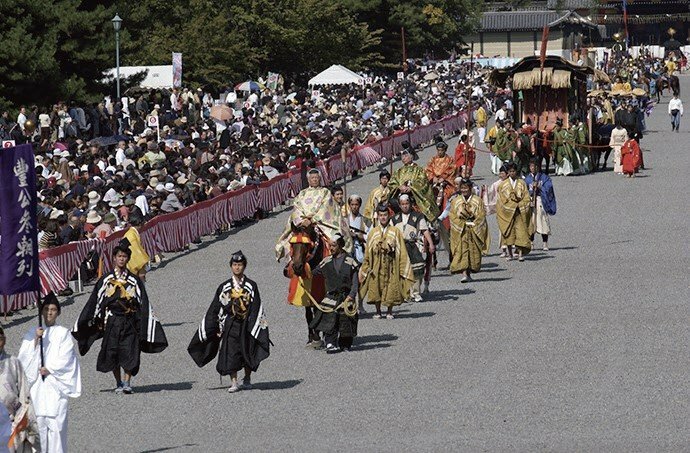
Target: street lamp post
117, 23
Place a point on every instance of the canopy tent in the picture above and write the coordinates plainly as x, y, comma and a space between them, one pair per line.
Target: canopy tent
156, 76
336, 75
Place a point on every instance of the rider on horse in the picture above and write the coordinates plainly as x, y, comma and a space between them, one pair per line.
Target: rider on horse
315, 221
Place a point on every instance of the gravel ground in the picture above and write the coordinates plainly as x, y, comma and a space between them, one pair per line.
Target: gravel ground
581, 348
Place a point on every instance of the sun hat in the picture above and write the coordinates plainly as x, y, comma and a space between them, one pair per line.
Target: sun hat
94, 197
93, 217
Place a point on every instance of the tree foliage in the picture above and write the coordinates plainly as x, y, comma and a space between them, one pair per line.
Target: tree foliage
52, 49
58, 49
430, 25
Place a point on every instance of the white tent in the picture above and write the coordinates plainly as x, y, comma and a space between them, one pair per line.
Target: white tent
336, 75
156, 77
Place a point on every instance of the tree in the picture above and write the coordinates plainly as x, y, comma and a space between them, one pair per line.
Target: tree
430, 25
305, 36
225, 41
52, 49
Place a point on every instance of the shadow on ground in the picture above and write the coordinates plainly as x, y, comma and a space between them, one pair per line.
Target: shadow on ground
275, 385
447, 294
154, 388
169, 448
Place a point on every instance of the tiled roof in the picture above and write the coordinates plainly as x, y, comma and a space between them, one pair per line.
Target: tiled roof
528, 20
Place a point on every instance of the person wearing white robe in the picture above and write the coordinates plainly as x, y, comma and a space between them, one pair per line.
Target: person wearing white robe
61, 376
618, 136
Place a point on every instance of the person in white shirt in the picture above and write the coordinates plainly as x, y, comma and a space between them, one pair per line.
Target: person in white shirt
173, 100
477, 92
55, 380
675, 111
500, 113
21, 118
120, 153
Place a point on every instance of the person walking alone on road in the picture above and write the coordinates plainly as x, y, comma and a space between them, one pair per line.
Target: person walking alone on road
675, 111
234, 328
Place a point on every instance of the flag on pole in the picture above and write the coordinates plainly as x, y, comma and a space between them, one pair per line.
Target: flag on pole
544, 44
625, 21
177, 69
18, 221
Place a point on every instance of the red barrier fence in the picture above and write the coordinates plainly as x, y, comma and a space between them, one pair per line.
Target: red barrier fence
174, 231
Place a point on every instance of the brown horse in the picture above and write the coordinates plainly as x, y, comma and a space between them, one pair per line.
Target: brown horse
308, 247
666, 81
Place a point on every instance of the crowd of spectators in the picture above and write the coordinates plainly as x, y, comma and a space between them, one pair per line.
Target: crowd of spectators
100, 168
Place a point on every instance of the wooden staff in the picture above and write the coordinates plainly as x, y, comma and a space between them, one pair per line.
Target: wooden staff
343, 158
40, 326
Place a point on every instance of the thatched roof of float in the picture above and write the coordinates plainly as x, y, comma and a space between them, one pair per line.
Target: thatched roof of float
558, 73
560, 79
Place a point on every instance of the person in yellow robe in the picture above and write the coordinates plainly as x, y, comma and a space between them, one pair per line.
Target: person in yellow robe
138, 263
376, 196
441, 172
386, 274
469, 233
620, 86
315, 205
411, 179
513, 213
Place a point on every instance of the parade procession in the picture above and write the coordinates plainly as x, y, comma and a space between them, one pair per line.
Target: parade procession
376, 247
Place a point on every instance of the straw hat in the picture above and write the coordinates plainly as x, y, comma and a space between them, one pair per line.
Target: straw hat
639, 92
153, 182
94, 197
116, 202
93, 217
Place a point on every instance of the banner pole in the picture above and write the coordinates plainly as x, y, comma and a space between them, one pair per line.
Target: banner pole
39, 306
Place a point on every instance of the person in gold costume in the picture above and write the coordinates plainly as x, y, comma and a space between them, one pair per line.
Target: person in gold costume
376, 196
386, 274
411, 179
513, 212
139, 261
469, 232
316, 206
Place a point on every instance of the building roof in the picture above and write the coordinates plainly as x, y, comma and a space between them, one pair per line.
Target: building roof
570, 4
529, 20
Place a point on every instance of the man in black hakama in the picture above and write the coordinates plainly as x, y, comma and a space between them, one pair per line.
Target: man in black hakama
336, 316
234, 328
119, 312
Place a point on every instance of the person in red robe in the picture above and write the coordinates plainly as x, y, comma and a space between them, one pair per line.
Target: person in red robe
464, 156
631, 157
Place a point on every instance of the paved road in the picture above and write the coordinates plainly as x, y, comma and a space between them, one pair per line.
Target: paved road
581, 348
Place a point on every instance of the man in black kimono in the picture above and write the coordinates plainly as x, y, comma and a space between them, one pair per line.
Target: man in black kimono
236, 324
336, 316
119, 312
